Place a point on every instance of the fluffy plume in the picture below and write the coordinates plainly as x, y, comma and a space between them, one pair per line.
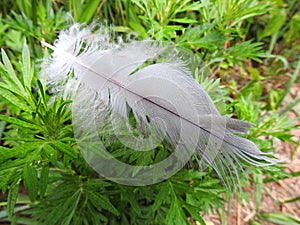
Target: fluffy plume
146, 79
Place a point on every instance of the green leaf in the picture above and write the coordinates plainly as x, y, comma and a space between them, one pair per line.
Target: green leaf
184, 20
20, 151
8, 84
175, 213
253, 89
101, 201
289, 85
26, 7
44, 180
292, 200
88, 10
194, 6
51, 154
258, 179
294, 30
194, 211
12, 98
96, 183
65, 148
12, 198
31, 181
138, 28
161, 196
75, 200
27, 70
253, 222
64, 209
18, 122
2, 127
280, 218
126, 194
276, 22
196, 38
19, 210
5, 153
12, 73
244, 50
242, 10
292, 105
254, 72
76, 7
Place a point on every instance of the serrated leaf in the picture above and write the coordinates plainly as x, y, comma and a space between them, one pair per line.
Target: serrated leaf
17, 152
8, 85
8, 177
244, 50
13, 99
18, 122
12, 198
12, 165
175, 213
101, 201
161, 196
96, 183
189, 175
195, 213
75, 200
132, 201
51, 154
65, 148
208, 183
3, 153
11, 72
211, 41
63, 209
44, 180
31, 181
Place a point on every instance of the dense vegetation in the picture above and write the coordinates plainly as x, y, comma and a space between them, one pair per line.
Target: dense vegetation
250, 50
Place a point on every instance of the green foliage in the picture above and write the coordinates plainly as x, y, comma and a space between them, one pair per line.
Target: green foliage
83, 11
43, 177
280, 218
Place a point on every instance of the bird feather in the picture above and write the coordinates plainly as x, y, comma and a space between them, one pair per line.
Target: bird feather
159, 90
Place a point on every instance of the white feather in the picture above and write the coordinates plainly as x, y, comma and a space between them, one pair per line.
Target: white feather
162, 94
